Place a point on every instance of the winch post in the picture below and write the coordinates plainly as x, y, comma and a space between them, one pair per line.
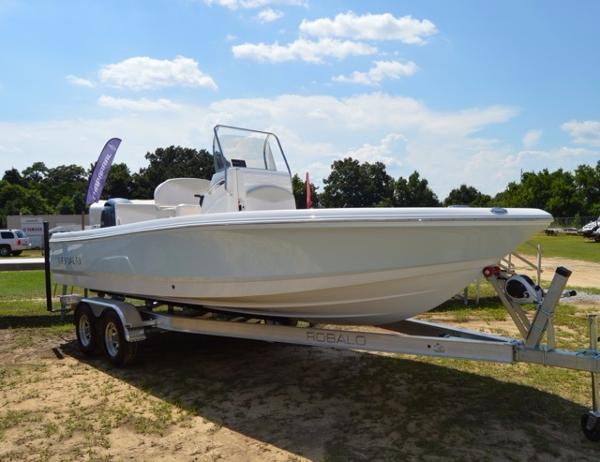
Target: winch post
550, 335
546, 310
593, 322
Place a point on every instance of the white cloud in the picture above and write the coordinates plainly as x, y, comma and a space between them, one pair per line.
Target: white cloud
388, 151
79, 81
141, 104
142, 72
302, 49
531, 138
379, 71
268, 15
584, 132
565, 153
248, 4
371, 27
315, 130
446, 147
230, 37
369, 111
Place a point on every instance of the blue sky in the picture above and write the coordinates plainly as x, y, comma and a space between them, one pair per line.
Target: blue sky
463, 91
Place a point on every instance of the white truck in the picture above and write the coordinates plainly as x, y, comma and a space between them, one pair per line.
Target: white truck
13, 242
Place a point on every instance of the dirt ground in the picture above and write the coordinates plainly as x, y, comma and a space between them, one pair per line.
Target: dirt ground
207, 399
193, 398
585, 273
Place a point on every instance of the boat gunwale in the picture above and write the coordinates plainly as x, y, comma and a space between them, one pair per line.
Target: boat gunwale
169, 224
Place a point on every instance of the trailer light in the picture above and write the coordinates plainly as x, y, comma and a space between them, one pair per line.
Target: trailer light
490, 271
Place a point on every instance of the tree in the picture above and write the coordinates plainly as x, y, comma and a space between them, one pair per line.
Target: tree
16, 199
119, 182
65, 206
66, 181
563, 201
171, 162
414, 192
39, 189
299, 188
14, 177
379, 185
587, 185
555, 192
467, 195
36, 173
352, 184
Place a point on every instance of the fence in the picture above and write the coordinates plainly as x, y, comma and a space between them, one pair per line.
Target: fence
571, 222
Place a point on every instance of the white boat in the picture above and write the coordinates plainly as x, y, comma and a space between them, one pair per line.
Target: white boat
246, 249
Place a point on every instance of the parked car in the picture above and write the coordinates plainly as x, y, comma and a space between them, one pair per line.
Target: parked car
589, 229
13, 242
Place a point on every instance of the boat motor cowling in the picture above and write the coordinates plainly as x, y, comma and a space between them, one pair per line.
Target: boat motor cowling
521, 289
108, 216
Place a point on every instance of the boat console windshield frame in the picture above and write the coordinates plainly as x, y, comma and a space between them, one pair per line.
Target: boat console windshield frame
229, 145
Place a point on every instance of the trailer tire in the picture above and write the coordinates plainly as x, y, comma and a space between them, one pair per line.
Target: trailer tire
590, 425
86, 329
117, 349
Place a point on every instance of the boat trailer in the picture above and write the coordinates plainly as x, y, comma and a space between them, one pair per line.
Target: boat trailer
116, 326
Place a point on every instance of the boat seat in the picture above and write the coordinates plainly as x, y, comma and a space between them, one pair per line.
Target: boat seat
187, 209
176, 191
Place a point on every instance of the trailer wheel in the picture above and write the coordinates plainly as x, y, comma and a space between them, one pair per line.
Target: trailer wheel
119, 351
590, 425
86, 328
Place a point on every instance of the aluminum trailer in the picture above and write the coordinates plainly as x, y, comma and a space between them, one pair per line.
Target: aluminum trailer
114, 326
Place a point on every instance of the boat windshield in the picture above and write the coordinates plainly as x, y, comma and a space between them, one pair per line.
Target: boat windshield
241, 147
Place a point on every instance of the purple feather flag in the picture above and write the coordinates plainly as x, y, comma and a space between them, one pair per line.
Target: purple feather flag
101, 170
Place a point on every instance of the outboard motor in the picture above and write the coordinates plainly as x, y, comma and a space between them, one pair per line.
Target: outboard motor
521, 289
108, 216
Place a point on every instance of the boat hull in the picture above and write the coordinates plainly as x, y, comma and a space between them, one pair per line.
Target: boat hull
364, 266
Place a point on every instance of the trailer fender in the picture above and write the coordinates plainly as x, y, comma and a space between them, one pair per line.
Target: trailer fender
133, 324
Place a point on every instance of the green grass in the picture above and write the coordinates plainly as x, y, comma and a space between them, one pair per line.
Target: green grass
21, 284
35, 253
32, 253
30, 314
564, 246
23, 304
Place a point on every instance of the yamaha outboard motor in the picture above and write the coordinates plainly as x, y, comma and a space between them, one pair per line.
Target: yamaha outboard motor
521, 289
108, 216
